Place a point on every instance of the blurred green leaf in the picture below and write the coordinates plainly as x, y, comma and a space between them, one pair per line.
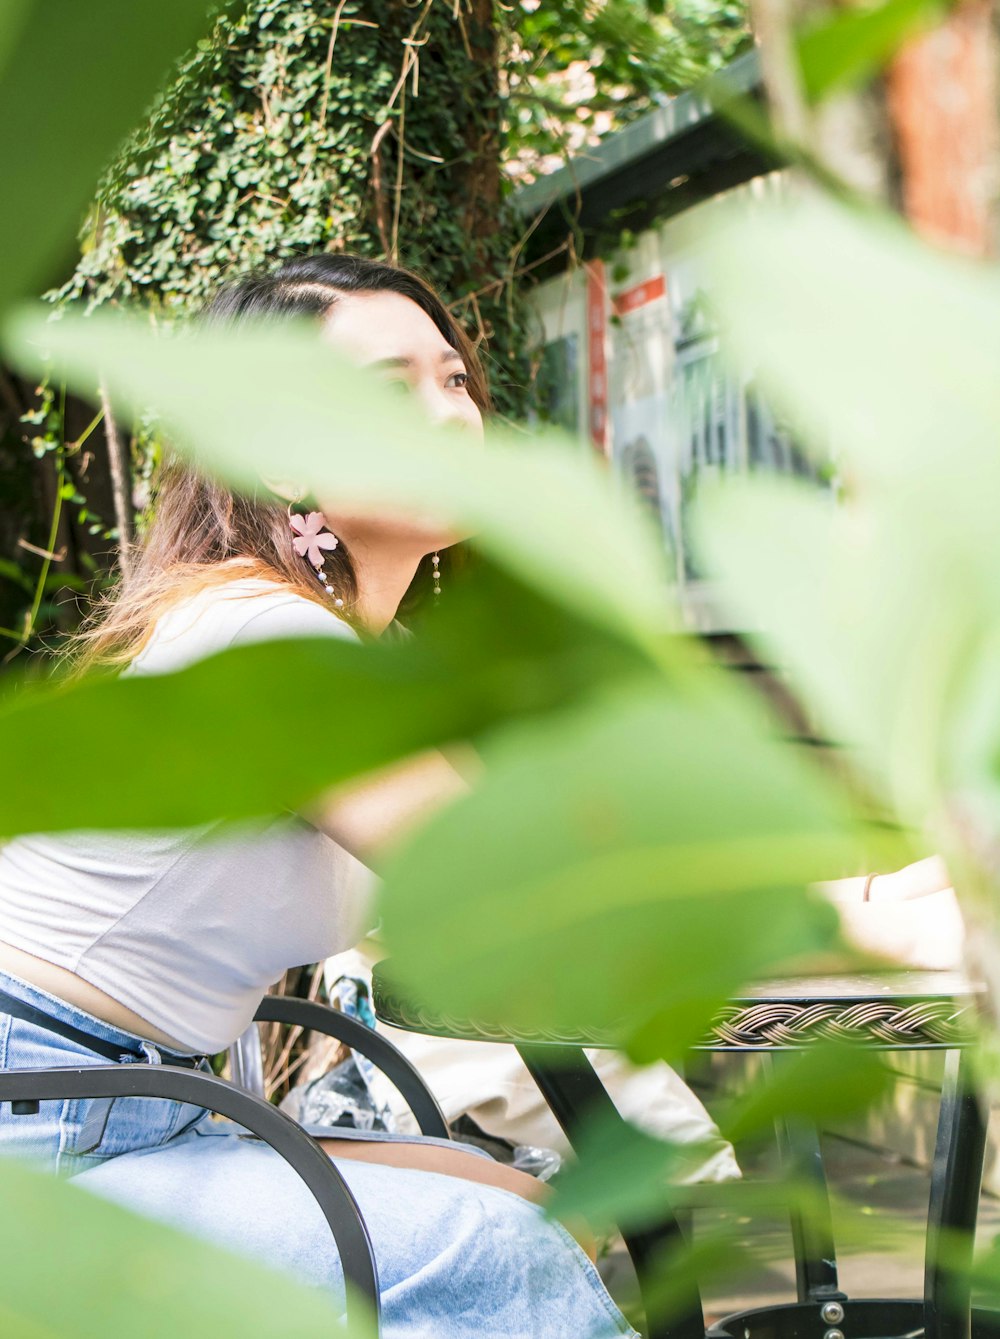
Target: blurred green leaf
78, 1267
543, 508
495, 650
13, 17
874, 662
11, 572
621, 1177
889, 609
984, 1275
850, 45
615, 868
889, 389
74, 78
682, 1271
826, 1081
625, 1178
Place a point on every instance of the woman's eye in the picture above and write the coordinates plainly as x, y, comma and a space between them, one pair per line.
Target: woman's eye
457, 380
398, 385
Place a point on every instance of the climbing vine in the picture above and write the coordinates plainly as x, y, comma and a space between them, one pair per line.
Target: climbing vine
295, 128
372, 127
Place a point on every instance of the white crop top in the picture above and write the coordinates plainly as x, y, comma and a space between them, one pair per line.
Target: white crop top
189, 928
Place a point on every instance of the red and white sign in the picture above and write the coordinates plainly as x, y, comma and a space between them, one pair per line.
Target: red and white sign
651, 290
597, 353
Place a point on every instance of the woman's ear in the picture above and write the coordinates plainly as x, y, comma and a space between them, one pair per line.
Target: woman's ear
282, 488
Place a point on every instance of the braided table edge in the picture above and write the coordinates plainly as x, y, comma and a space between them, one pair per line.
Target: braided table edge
766, 1025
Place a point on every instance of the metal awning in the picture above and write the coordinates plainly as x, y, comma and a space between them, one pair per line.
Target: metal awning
666, 161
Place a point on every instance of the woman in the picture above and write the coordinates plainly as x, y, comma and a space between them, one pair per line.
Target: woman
160, 945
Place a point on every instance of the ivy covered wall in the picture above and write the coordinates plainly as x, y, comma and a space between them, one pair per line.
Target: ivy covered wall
372, 127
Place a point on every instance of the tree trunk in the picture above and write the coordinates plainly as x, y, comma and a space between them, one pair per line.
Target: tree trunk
943, 100
480, 173
924, 139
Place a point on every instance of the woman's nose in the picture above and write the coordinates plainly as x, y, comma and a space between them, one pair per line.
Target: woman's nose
439, 406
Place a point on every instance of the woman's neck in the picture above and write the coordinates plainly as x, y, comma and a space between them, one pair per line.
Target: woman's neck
384, 576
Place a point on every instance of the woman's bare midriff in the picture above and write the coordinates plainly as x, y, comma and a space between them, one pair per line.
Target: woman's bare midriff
72, 989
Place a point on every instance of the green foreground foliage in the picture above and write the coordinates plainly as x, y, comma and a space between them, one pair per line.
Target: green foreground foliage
644, 838
76, 1267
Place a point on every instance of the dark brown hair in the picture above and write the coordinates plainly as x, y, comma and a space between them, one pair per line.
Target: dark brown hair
202, 534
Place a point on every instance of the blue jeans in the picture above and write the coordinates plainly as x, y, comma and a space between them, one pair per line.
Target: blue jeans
454, 1258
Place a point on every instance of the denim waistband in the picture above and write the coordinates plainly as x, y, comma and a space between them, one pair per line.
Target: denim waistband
79, 1018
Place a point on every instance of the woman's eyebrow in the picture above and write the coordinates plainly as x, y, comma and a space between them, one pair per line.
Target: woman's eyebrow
400, 360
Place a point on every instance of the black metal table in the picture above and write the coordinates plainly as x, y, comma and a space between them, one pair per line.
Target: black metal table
899, 1011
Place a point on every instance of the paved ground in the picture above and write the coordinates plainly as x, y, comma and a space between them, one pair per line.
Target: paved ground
879, 1226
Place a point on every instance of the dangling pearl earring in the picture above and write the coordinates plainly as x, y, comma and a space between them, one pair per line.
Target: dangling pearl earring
436, 574
311, 538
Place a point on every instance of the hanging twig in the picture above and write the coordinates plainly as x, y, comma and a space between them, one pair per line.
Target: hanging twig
121, 483
48, 554
328, 69
387, 228
380, 204
496, 285
400, 164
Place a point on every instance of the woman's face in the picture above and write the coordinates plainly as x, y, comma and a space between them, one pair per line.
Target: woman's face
390, 333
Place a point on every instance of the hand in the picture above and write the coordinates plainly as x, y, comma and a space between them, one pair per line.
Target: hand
911, 917
923, 878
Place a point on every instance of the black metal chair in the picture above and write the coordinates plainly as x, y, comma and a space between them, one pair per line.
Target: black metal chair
25, 1088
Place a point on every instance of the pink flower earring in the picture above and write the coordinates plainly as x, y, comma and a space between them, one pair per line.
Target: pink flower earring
311, 539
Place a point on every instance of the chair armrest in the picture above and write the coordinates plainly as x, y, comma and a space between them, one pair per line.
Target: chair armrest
264, 1120
376, 1048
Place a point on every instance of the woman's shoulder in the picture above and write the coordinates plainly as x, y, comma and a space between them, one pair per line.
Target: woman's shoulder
233, 613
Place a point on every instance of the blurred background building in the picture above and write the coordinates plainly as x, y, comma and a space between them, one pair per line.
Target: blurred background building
630, 350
